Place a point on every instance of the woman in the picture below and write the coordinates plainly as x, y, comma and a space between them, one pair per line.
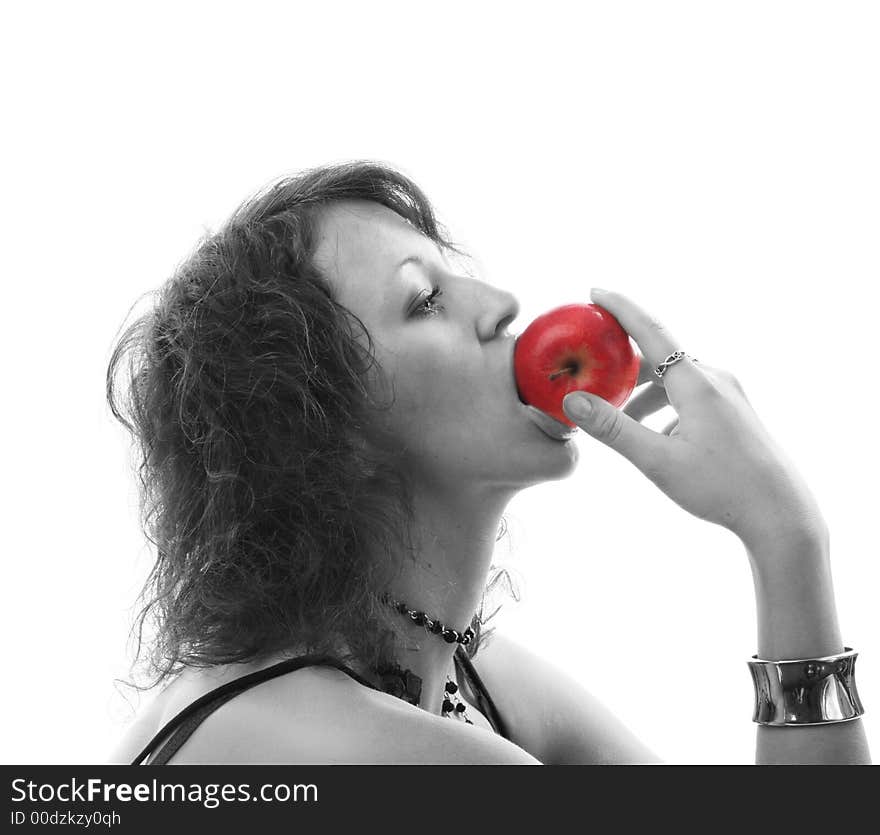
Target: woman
331, 431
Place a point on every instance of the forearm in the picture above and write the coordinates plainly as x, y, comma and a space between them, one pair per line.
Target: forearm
797, 618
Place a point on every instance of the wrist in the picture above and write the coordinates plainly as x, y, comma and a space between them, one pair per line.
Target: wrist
794, 597
780, 533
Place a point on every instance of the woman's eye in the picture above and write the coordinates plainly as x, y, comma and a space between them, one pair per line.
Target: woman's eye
429, 307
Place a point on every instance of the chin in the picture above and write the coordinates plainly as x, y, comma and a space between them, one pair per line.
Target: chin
554, 461
561, 462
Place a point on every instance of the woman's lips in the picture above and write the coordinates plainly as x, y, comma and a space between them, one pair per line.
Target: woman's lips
550, 426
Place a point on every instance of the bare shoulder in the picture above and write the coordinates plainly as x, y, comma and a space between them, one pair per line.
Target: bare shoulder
550, 713
319, 715
334, 720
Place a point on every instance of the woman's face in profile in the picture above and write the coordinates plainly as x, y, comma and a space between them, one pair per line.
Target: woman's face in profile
456, 414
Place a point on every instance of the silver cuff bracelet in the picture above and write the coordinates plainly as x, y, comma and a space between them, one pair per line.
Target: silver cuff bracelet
806, 691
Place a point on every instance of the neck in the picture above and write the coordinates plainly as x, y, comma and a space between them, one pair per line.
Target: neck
455, 541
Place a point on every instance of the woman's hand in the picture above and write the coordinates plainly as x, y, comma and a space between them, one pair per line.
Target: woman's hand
716, 460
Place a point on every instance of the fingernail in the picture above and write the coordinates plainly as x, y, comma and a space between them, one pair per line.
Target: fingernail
578, 406
598, 290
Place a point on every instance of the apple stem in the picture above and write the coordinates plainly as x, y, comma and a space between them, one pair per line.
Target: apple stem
567, 369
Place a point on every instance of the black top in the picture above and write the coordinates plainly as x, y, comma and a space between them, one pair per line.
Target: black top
182, 726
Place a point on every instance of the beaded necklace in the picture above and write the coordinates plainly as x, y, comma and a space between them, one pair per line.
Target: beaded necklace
406, 685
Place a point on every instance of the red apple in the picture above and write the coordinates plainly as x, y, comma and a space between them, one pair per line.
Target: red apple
576, 347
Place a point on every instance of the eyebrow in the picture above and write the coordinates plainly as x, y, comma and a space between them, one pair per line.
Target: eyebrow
418, 259
411, 259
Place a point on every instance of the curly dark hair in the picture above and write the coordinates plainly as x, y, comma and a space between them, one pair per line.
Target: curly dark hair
271, 512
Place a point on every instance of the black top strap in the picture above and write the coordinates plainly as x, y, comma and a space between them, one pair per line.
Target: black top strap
487, 706
180, 728
186, 729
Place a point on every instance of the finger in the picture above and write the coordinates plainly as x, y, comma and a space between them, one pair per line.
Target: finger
644, 447
656, 343
671, 428
646, 372
646, 402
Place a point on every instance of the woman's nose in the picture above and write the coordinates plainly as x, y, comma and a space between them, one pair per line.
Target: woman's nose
499, 311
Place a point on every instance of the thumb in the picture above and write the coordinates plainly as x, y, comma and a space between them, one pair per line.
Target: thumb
614, 428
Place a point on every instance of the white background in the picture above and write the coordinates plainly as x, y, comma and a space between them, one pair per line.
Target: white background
715, 161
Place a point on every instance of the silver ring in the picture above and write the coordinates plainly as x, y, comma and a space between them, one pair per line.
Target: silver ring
673, 358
